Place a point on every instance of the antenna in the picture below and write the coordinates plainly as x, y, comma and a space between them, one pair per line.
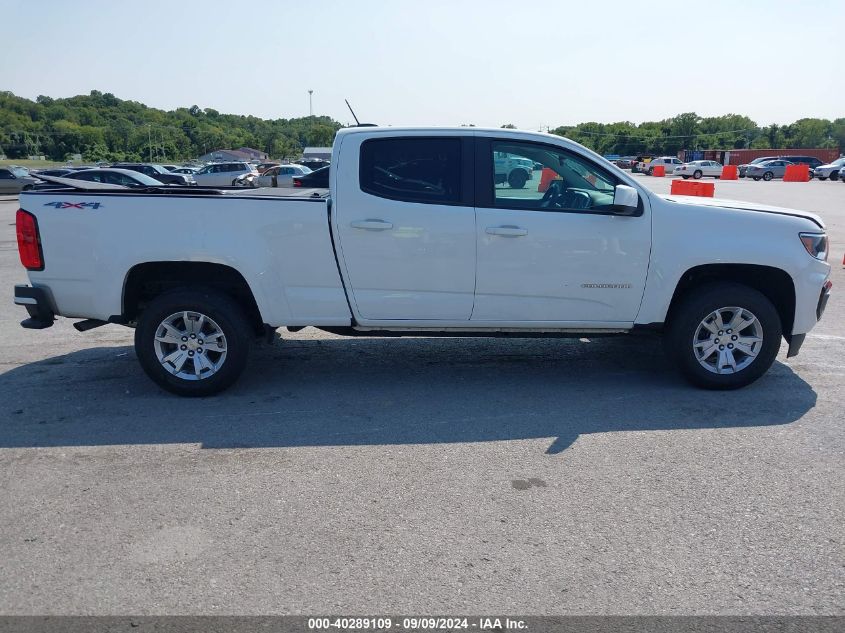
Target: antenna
357, 122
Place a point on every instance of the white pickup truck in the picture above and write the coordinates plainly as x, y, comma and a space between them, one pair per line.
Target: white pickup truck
416, 237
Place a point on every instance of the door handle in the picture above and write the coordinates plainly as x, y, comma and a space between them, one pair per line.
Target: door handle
372, 225
506, 231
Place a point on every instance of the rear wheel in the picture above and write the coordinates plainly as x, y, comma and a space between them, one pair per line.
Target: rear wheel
834, 175
768, 176
724, 336
685, 177
193, 342
696, 174
756, 177
517, 179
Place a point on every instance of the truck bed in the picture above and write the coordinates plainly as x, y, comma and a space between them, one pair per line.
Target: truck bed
279, 240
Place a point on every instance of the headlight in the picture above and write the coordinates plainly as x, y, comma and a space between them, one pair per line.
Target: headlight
816, 244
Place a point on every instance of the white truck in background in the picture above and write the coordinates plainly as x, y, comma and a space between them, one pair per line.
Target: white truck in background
414, 237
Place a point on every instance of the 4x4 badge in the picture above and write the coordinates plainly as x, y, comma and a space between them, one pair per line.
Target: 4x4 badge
74, 205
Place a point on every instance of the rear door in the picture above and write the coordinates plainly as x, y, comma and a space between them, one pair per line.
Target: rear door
554, 251
405, 223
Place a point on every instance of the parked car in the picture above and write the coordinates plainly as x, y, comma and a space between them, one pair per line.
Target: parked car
669, 162
223, 174
625, 163
811, 161
313, 163
281, 175
318, 179
115, 176
767, 170
171, 167
158, 173
698, 168
186, 170
14, 179
741, 170
831, 170
842, 175
411, 239
262, 167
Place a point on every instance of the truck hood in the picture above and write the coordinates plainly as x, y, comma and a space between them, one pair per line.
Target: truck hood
743, 205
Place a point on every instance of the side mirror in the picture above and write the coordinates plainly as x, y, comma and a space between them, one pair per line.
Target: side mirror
626, 200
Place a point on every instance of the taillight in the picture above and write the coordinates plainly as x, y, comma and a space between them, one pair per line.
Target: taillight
297, 182
29, 241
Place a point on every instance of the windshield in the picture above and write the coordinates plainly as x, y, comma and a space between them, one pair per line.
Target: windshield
20, 172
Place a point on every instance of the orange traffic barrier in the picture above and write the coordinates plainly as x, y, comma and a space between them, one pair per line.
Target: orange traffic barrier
658, 170
729, 172
693, 188
797, 173
546, 178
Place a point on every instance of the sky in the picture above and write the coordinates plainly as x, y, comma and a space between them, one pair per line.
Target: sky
534, 64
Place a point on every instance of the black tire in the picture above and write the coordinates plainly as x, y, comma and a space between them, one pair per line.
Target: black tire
696, 174
756, 178
691, 312
834, 175
650, 171
768, 176
822, 177
215, 305
517, 179
685, 177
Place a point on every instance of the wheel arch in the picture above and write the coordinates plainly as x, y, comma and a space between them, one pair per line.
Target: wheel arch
148, 280
774, 283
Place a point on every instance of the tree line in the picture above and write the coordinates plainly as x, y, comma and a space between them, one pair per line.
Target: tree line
99, 126
690, 131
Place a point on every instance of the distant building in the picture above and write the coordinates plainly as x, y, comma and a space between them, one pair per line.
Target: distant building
242, 153
323, 153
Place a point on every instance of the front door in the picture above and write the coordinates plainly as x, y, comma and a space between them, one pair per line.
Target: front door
406, 227
553, 251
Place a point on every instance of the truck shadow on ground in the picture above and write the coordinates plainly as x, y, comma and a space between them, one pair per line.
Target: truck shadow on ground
340, 392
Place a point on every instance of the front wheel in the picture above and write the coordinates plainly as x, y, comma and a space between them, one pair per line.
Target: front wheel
834, 175
724, 336
696, 174
193, 342
756, 178
768, 176
685, 177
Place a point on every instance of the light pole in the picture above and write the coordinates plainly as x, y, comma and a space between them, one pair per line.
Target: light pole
310, 105
150, 139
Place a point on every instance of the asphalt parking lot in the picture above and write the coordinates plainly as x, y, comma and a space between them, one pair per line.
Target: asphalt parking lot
373, 476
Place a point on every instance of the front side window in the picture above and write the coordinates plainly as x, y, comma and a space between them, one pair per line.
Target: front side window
5, 174
412, 169
566, 182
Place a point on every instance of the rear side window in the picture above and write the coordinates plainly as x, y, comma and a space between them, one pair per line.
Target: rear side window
412, 169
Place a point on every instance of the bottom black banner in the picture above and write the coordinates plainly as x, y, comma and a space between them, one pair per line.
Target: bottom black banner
421, 623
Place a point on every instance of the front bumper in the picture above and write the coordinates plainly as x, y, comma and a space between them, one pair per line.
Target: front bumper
797, 340
37, 304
